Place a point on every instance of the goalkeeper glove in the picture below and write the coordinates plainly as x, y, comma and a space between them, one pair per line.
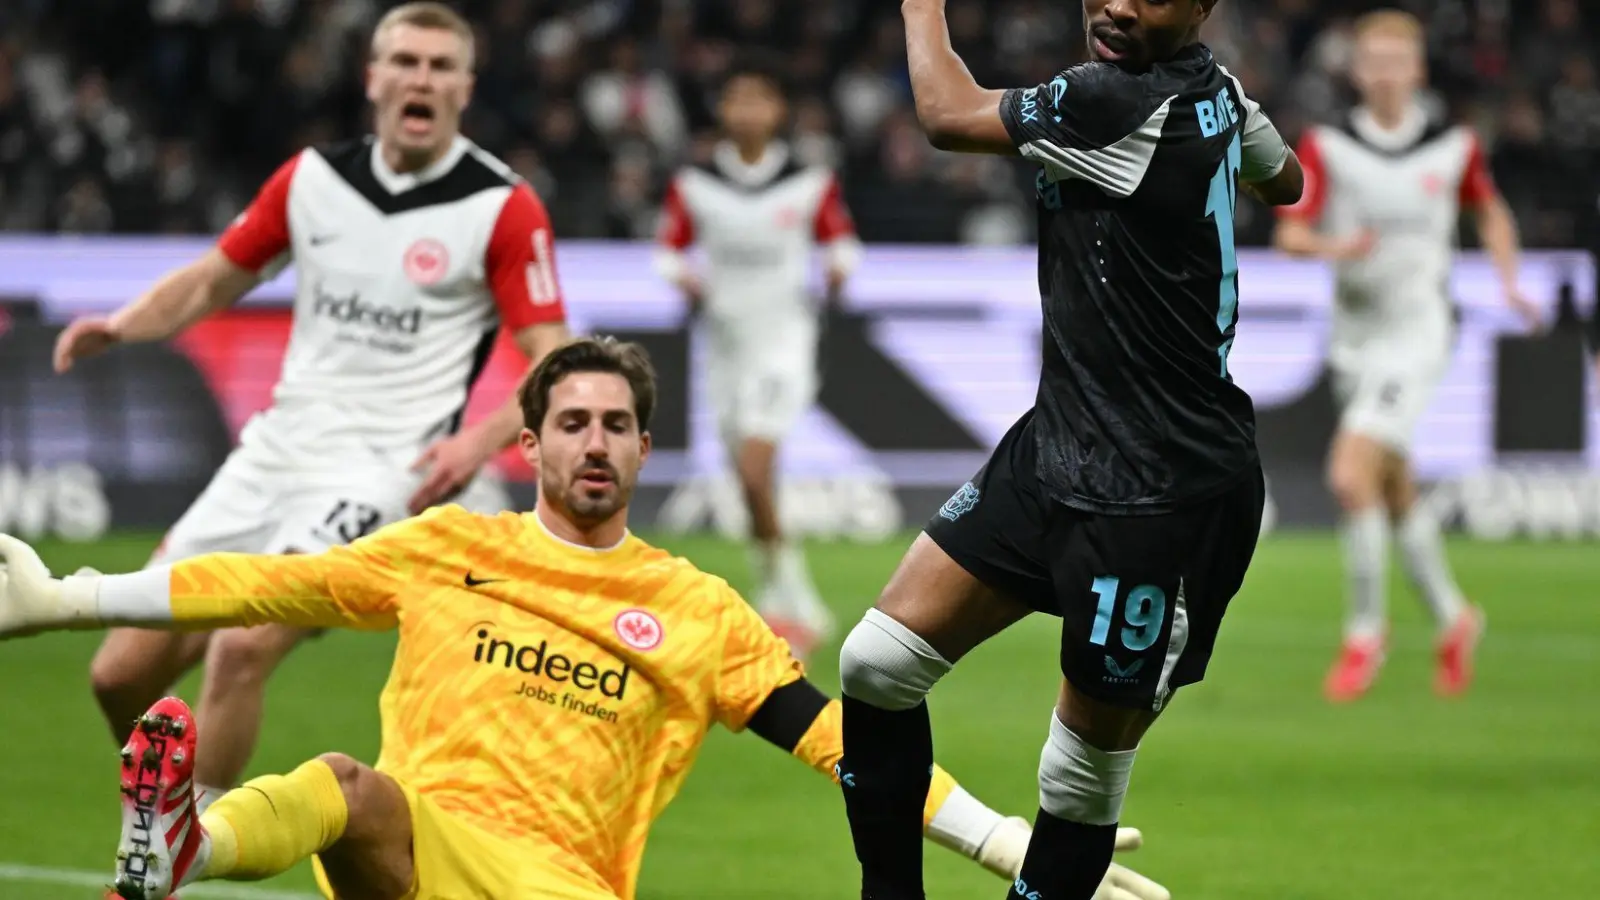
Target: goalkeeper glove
32, 601
1003, 851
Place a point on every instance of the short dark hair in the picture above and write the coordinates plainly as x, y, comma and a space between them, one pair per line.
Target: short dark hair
589, 354
760, 64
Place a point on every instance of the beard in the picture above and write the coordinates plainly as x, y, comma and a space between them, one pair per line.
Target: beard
586, 504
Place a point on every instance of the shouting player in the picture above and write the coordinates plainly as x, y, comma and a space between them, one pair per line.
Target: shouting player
410, 250
554, 679
1384, 190
759, 214
1128, 500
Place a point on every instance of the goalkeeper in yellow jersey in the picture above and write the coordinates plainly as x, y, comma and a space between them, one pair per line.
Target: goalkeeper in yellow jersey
554, 679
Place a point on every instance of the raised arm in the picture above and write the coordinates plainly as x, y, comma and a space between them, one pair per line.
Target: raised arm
255, 246
955, 112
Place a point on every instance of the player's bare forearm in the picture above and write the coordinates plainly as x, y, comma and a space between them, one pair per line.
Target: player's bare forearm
181, 298
499, 430
955, 112
1498, 229
1298, 239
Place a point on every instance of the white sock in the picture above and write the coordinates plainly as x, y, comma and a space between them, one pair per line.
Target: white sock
1366, 549
800, 593
204, 796
763, 568
963, 823
1422, 549
789, 569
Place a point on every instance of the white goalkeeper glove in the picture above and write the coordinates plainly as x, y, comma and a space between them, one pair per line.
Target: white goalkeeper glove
32, 601
1002, 853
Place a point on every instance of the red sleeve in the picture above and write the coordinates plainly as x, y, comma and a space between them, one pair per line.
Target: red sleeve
833, 217
1315, 196
261, 232
520, 264
1477, 185
677, 226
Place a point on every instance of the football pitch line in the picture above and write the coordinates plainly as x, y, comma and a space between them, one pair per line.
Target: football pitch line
16, 873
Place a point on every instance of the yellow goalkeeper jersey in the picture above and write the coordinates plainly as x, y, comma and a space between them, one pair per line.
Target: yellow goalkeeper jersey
550, 694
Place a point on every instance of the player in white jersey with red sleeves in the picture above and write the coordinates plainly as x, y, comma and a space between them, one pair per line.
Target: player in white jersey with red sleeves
411, 250
1384, 191
759, 215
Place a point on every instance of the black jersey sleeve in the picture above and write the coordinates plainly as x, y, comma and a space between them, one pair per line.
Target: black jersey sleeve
1092, 122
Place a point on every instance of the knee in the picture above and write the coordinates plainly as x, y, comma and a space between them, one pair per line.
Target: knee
754, 464
117, 684
1081, 783
244, 655
355, 778
888, 665
1354, 484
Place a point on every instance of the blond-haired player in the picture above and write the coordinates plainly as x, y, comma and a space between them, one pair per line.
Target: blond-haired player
1383, 193
554, 679
411, 249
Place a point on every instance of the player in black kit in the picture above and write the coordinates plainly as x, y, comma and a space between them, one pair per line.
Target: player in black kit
1128, 501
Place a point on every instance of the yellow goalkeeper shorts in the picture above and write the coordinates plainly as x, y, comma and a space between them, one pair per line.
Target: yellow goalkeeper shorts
454, 860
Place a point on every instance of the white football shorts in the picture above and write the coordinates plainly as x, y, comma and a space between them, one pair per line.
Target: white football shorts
254, 504
760, 392
1384, 387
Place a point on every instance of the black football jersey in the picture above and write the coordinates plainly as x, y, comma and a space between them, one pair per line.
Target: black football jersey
1138, 274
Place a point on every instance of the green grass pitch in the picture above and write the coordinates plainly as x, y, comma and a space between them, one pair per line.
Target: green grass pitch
1250, 788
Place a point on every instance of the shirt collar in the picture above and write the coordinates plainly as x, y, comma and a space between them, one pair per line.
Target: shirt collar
549, 535
400, 182
761, 171
1407, 133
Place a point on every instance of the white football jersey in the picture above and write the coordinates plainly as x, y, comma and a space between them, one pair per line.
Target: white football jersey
758, 225
402, 281
1408, 187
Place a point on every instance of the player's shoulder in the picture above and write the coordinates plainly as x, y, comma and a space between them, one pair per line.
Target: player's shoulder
494, 169
1096, 103
678, 580
1101, 84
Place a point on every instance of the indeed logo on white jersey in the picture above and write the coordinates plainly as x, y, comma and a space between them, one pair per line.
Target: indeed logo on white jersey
349, 308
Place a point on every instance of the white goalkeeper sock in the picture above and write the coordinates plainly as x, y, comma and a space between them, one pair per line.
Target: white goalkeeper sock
204, 796
1422, 549
962, 823
1366, 548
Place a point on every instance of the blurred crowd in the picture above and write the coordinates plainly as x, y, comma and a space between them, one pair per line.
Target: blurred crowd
164, 115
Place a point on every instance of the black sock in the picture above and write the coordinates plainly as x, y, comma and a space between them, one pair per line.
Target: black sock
1065, 861
887, 765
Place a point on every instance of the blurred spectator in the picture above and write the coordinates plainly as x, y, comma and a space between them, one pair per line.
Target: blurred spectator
165, 115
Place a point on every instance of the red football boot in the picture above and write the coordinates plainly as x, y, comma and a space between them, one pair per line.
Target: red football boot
161, 834
1456, 651
1355, 670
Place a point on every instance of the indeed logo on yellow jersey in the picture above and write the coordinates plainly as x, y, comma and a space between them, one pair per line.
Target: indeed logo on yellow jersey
539, 659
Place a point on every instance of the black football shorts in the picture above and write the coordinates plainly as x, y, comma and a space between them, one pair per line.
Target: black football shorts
1141, 597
